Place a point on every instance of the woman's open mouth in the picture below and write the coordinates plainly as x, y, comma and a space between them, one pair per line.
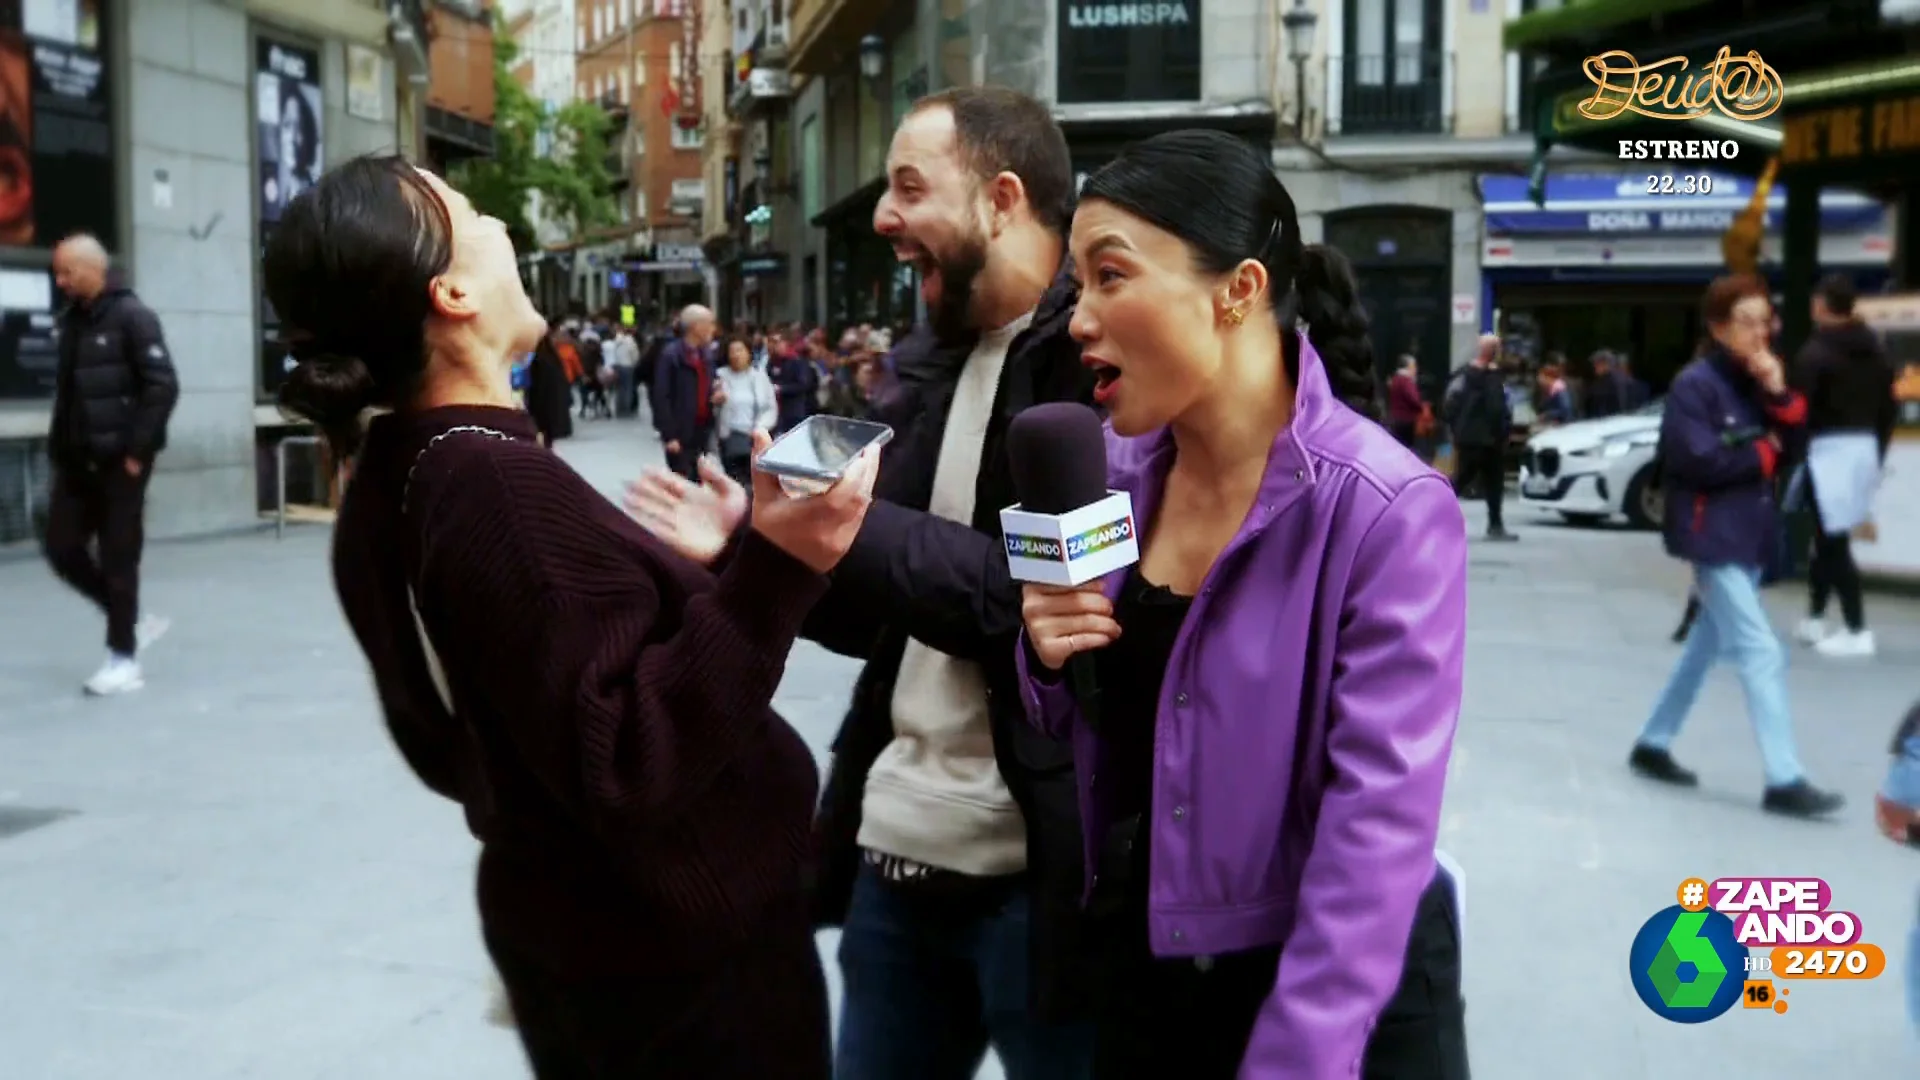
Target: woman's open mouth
1105, 378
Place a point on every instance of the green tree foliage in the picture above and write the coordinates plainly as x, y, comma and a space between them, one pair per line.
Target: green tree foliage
561, 155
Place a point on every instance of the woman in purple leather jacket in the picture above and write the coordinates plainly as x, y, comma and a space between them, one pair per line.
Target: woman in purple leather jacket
1280, 675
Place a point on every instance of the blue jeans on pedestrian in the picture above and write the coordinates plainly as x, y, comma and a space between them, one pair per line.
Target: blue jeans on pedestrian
1902, 786
933, 980
1734, 626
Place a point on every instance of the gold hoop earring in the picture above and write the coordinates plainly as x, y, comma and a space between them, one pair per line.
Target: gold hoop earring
1235, 316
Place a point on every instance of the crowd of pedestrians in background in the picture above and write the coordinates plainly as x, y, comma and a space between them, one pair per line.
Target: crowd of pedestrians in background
691, 371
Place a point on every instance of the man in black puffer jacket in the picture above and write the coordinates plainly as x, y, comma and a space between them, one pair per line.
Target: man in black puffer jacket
115, 390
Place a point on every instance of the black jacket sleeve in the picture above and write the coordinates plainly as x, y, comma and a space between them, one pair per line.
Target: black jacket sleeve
1888, 415
667, 372
157, 387
939, 581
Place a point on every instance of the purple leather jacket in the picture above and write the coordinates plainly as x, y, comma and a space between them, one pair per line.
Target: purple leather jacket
1304, 726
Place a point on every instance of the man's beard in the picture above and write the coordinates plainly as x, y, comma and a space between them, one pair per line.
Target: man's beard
951, 315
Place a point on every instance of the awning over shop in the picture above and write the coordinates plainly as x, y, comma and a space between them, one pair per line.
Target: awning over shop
1581, 17
1640, 203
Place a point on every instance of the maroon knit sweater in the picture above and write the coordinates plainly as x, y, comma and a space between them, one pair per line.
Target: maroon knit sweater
641, 807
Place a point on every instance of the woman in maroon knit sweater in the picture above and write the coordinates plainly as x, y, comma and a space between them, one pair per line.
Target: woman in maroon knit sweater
597, 704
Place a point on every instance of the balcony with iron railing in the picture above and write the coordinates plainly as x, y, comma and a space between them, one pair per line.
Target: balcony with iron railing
411, 34
619, 169
1398, 93
617, 113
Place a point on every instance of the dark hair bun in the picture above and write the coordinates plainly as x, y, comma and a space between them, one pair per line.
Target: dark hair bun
331, 392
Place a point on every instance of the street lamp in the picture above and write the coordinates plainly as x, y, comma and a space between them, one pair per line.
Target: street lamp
873, 57
1299, 22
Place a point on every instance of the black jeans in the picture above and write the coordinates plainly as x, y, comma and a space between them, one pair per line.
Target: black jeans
686, 461
1165, 1018
1834, 572
1485, 466
95, 530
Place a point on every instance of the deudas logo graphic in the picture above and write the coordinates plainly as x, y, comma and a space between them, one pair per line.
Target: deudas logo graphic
1737, 87
1691, 962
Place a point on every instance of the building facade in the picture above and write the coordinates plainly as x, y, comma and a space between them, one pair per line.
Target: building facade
1115, 73
458, 117
641, 60
186, 127
543, 31
753, 216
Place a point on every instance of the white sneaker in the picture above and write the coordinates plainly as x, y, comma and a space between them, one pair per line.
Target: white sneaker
1811, 631
1847, 643
118, 675
149, 629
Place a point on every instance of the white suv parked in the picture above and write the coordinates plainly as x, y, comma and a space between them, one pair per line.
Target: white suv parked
1593, 470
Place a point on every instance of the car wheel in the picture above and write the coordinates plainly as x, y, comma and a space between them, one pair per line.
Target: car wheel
1582, 519
1646, 502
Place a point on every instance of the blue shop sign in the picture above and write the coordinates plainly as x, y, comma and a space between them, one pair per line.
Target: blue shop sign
1676, 204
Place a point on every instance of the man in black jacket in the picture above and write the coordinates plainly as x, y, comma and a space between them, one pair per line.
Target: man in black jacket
1480, 421
682, 391
949, 832
115, 390
949, 826
1847, 380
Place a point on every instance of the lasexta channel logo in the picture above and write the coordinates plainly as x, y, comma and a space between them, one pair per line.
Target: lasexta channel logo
1727, 940
1686, 965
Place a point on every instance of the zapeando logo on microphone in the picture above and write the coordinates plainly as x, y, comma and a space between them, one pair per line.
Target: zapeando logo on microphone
1077, 546
1033, 547
1074, 547
1100, 538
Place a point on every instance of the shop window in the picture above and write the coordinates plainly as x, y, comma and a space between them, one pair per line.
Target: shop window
812, 168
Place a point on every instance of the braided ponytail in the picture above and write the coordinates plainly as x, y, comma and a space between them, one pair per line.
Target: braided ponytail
1328, 298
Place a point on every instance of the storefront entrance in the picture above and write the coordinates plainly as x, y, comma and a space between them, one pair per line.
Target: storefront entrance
1403, 257
1655, 325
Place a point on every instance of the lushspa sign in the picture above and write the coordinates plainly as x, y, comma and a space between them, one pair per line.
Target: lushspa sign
1128, 52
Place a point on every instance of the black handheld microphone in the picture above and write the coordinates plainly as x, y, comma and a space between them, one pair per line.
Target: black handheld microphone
1067, 528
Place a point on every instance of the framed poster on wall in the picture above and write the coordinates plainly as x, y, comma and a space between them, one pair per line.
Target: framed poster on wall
56, 169
287, 123
288, 141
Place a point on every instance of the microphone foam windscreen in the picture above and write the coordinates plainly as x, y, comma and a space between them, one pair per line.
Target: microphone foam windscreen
1059, 457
